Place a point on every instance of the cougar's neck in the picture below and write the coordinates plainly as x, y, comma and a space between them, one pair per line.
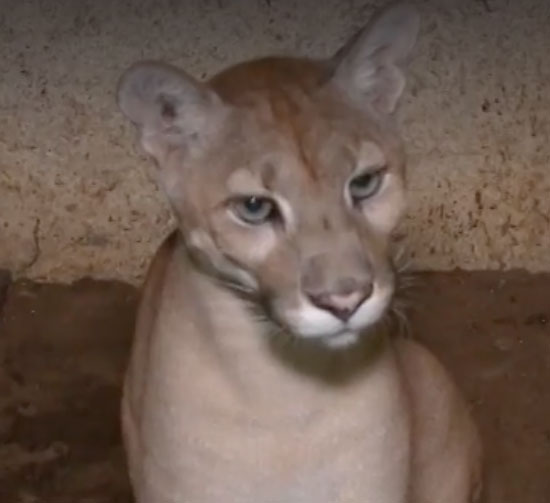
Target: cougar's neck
262, 354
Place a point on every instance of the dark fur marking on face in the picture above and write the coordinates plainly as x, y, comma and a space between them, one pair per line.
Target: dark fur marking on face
308, 166
268, 174
286, 111
326, 223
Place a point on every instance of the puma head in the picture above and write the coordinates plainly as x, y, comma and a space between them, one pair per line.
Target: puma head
287, 175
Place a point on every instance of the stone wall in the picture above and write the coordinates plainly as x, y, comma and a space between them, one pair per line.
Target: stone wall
75, 195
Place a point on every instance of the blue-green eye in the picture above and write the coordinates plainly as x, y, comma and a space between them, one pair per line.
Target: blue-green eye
254, 210
365, 185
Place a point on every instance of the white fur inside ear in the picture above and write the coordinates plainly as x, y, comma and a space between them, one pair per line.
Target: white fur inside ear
371, 67
382, 87
169, 107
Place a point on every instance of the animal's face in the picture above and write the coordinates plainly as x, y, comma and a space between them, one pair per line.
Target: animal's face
286, 177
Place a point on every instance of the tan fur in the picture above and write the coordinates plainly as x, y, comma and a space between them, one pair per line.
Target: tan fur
247, 384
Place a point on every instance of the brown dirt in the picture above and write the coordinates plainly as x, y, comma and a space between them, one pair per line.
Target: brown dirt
63, 348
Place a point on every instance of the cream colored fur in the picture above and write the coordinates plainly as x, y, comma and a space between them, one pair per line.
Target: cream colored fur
260, 372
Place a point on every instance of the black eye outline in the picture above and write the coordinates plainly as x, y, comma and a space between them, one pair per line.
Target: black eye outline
366, 185
255, 209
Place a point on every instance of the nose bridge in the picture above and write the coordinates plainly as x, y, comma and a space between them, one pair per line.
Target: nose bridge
334, 260
328, 234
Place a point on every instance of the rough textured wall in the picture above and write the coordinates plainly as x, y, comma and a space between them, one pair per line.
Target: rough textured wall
75, 197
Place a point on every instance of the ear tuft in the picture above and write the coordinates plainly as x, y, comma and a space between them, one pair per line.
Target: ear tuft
371, 65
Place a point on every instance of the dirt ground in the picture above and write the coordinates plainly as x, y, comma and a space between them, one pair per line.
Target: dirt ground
63, 348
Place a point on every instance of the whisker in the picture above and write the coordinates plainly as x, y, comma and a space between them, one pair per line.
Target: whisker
407, 283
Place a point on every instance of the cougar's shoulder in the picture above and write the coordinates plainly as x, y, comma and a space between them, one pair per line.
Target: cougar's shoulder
444, 435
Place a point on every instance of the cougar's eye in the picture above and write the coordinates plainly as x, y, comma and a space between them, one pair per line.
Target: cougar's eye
254, 210
365, 185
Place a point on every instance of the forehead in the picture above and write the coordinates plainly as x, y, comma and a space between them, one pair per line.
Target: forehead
289, 168
279, 148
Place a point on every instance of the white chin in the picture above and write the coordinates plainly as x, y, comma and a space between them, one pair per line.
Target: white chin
341, 341
310, 322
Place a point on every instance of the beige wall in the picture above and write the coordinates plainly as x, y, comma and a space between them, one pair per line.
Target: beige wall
75, 198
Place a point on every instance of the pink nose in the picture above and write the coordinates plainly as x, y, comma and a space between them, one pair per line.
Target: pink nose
341, 305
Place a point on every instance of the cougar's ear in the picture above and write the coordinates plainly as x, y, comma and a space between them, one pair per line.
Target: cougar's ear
370, 66
169, 108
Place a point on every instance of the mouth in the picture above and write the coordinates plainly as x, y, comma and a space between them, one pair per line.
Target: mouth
312, 323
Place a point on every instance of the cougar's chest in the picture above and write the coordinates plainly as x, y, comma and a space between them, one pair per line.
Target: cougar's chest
342, 445
334, 460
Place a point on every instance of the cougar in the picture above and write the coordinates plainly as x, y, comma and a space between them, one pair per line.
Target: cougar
261, 369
